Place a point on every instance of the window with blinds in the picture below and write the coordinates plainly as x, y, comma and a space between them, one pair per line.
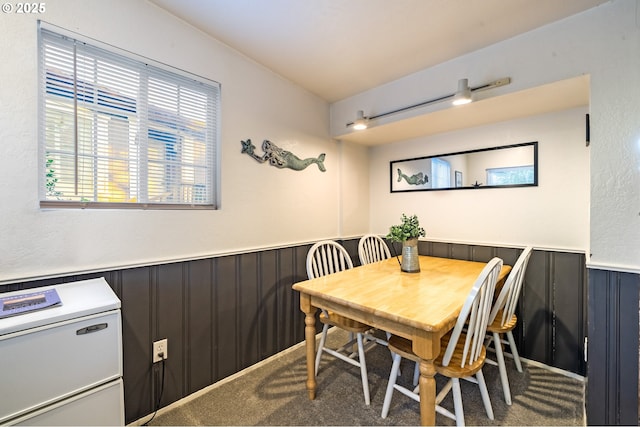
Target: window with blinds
118, 132
440, 173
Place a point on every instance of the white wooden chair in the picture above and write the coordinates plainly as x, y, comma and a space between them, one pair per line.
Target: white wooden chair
372, 248
328, 257
464, 353
503, 320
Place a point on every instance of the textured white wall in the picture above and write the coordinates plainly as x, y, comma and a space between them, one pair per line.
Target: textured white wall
615, 135
354, 190
552, 215
604, 43
262, 206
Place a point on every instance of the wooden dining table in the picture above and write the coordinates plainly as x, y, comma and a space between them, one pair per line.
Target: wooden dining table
419, 306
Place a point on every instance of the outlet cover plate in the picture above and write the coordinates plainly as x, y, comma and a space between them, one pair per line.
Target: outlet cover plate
160, 346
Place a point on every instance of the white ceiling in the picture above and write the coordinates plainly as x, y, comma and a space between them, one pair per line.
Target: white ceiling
339, 48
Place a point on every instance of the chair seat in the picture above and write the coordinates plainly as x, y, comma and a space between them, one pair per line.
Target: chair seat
495, 326
453, 370
350, 325
403, 347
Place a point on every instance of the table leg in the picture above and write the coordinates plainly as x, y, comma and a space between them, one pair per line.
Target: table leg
426, 345
427, 393
310, 339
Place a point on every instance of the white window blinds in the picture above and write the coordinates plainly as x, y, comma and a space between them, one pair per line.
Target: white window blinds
118, 132
441, 173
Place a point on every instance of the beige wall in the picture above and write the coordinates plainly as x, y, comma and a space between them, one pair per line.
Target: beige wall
261, 206
554, 215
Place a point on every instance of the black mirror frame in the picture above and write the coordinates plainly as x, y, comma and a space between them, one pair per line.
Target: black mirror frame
394, 165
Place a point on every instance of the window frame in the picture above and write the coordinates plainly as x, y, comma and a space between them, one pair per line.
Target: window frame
203, 153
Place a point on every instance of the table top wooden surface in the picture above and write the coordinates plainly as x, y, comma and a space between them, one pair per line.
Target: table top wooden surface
429, 300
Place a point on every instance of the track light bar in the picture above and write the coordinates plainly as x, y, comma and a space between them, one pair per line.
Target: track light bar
463, 89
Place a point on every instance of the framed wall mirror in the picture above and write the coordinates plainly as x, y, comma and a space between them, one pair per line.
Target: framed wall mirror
495, 167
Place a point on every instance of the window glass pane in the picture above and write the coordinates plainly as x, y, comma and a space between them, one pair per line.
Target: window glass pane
441, 172
510, 176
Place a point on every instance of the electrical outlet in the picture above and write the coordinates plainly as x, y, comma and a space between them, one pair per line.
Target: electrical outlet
160, 350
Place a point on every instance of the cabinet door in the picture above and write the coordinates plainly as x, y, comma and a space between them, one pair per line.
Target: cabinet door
47, 364
100, 406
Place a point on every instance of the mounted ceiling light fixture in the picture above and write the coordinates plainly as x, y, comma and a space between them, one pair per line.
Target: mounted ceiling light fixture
361, 122
462, 96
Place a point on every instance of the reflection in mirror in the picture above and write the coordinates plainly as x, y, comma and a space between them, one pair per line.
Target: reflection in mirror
506, 166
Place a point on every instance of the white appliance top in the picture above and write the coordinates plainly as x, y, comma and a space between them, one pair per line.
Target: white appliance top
78, 299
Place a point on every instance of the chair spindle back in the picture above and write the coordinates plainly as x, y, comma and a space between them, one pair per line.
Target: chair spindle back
372, 248
508, 298
474, 316
327, 257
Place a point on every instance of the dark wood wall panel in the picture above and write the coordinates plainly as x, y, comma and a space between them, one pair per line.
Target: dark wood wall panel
268, 304
135, 285
168, 320
198, 334
439, 249
223, 314
536, 316
612, 364
248, 310
227, 341
285, 299
569, 311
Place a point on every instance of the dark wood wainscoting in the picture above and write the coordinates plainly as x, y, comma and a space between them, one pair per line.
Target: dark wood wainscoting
612, 383
223, 314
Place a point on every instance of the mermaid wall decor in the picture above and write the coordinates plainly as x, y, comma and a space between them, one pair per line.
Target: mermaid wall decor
416, 179
281, 158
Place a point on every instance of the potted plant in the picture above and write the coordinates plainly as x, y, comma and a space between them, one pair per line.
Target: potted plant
407, 233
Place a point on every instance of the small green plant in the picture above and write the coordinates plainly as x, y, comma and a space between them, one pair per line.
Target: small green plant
51, 180
409, 229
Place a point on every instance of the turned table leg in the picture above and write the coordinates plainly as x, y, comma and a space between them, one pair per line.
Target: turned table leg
427, 346
427, 393
310, 339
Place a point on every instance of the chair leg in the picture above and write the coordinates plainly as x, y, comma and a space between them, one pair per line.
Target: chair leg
514, 351
502, 368
391, 352
323, 338
485, 394
351, 339
416, 373
392, 381
457, 402
363, 369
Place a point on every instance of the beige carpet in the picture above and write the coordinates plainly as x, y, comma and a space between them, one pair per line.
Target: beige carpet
274, 394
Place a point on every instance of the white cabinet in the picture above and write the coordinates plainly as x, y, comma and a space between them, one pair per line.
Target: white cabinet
63, 365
